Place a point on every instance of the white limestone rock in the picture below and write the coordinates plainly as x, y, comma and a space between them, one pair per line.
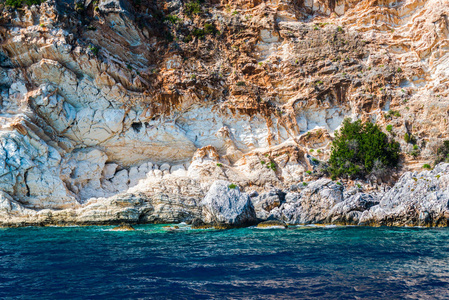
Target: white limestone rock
226, 205
416, 199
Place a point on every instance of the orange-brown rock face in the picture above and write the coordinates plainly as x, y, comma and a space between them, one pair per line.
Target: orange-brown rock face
106, 97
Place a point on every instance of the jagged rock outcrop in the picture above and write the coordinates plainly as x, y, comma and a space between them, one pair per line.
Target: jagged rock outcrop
416, 199
311, 205
152, 102
350, 211
225, 204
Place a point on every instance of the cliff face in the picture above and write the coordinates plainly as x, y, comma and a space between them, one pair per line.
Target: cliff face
153, 101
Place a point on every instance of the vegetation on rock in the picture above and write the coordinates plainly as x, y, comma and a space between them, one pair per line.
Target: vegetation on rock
193, 8
443, 153
20, 3
360, 149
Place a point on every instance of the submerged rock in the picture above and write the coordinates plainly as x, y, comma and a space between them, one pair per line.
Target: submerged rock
272, 224
224, 204
199, 224
124, 227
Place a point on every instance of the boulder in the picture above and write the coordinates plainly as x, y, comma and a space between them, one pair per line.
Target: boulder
312, 204
350, 210
225, 204
266, 202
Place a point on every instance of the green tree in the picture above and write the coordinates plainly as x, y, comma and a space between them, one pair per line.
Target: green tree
360, 149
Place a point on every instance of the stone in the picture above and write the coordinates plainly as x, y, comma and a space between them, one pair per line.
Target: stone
313, 204
225, 204
266, 202
349, 211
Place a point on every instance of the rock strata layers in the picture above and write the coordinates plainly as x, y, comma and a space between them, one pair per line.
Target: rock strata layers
139, 111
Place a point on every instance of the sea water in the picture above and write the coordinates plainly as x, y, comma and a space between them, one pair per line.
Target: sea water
153, 262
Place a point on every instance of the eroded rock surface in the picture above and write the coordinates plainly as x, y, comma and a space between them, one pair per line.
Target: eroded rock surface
129, 111
225, 204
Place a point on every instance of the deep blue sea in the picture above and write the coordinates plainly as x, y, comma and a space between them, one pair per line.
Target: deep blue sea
155, 263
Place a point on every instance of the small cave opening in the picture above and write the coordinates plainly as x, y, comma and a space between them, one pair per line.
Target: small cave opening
137, 126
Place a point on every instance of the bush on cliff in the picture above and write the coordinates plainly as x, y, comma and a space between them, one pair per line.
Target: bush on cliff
359, 150
442, 153
20, 3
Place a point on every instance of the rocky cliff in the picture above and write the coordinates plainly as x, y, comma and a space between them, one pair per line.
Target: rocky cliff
118, 110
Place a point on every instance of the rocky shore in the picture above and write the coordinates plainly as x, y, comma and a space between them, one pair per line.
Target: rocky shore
417, 199
218, 113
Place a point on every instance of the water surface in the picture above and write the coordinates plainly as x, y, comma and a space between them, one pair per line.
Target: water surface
152, 262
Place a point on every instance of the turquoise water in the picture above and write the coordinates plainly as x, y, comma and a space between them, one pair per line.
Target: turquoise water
152, 262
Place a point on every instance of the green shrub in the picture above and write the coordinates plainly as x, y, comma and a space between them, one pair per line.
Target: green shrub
188, 39
389, 128
339, 29
309, 172
20, 3
304, 183
232, 186
391, 113
262, 162
426, 166
79, 7
271, 166
210, 29
219, 165
199, 33
359, 148
94, 50
443, 152
192, 8
172, 19
407, 138
240, 83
